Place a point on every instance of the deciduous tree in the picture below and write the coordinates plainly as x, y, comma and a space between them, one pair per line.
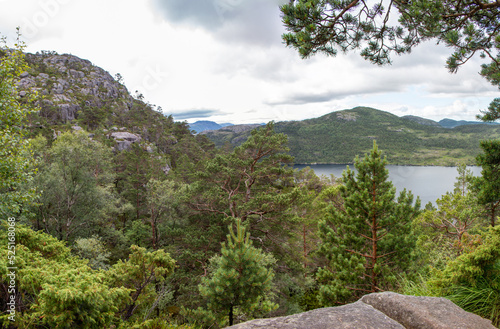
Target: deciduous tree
77, 195
16, 161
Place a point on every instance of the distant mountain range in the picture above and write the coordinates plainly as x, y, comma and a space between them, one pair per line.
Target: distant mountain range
450, 123
339, 136
200, 126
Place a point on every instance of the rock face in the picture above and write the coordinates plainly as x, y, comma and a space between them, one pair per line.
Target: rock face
385, 310
69, 84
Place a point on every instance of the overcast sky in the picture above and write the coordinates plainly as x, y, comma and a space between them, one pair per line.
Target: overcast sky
224, 60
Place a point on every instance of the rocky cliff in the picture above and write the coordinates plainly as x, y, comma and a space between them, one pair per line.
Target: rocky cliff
72, 93
67, 84
379, 311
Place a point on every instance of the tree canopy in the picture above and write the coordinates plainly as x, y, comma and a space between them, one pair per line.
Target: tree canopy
468, 27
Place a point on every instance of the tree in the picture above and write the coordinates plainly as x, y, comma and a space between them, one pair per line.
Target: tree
163, 201
488, 185
456, 215
134, 169
55, 289
369, 239
140, 274
252, 183
240, 277
77, 195
468, 27
16, 160
472, 281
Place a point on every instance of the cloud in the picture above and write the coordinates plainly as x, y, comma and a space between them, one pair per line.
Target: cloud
195, 113
196, 12
241, 21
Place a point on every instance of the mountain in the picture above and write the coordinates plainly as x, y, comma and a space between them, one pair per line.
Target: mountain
74, 94
339, 136
200, 126
450, 123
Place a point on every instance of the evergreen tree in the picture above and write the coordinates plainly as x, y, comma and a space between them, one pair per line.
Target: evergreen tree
449, 226
240, 277
468, 27
472, 280
369, 239
488, 185
252, 183
55, 289
141, 273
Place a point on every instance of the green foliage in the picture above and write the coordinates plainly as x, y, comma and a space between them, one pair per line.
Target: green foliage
56, 289
141, 273
157, 323
75, 180
240, 277
369, 240
254, 183
94, 250
16, 160
483, 298
164, 200
134, 169
471, 280
452, 222
488, 185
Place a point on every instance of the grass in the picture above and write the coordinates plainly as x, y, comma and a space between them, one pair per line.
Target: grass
482, 299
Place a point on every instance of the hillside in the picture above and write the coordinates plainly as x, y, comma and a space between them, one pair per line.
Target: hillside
339, 136
74, 94
450, 123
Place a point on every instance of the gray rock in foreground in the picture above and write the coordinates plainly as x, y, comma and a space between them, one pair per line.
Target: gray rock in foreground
357, 315
425, 312
385, 310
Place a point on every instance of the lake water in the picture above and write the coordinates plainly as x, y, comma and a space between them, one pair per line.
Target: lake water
429, 183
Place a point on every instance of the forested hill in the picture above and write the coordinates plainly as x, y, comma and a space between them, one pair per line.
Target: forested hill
74, 94
339, 136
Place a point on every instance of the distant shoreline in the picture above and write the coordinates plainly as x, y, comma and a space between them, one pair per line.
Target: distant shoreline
389, 164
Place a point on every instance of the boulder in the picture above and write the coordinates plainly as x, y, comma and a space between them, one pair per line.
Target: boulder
124, 139
425, 312
384, 310
352, 316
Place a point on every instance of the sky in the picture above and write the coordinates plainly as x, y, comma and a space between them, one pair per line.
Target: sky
225, 61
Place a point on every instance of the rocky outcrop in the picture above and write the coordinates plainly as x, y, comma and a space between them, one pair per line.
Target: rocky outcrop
69, 84
124, 139
379, 311
425, 312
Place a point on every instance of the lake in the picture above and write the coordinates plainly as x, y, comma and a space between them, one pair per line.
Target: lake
427, 182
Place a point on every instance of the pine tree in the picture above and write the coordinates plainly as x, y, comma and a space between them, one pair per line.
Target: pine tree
369, 239
488, 185
240, 278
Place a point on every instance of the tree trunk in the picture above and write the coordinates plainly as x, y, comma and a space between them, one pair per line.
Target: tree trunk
231, 315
